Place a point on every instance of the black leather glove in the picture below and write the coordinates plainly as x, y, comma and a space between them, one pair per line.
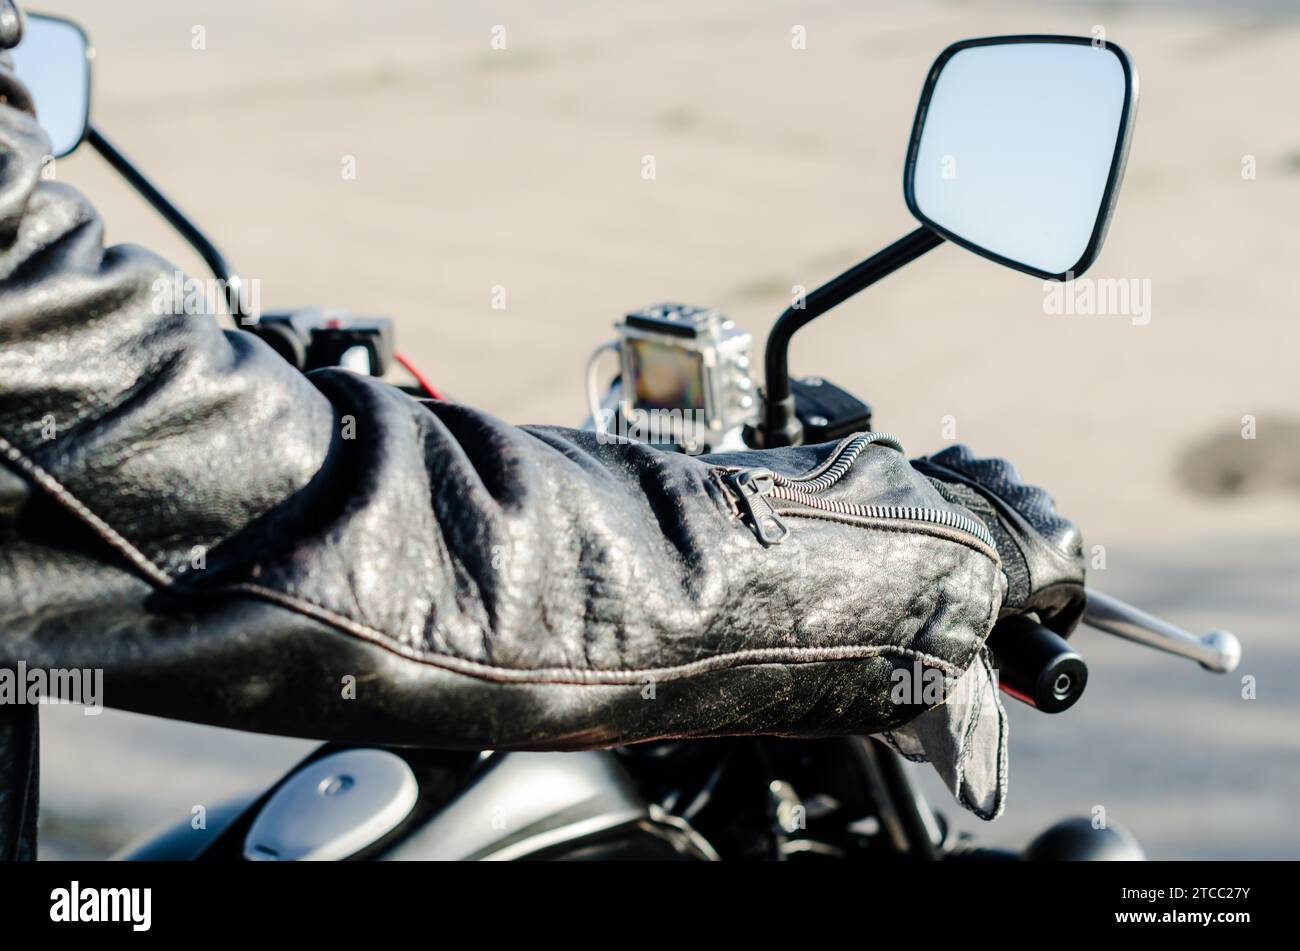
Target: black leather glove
1042, 552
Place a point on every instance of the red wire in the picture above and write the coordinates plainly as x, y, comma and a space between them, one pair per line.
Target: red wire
419, 377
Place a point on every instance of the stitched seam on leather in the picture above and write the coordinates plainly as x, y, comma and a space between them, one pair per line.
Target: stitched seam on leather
736, 659
119, 542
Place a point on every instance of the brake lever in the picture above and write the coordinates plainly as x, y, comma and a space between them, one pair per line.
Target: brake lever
1218, 651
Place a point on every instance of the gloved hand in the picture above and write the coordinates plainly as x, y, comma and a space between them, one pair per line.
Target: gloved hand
1042, 552
965, 738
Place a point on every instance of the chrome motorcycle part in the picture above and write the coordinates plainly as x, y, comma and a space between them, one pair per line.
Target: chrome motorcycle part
1218, 651
523, 804
333, 808
685, 375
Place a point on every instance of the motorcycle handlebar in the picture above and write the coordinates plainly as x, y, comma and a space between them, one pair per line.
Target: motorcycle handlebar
1218, 651
1038, 667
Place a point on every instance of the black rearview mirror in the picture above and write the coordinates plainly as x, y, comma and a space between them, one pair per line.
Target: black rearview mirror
1018, 148
53, 61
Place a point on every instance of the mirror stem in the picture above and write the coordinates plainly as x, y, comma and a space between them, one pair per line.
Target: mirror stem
780, 425
191, 232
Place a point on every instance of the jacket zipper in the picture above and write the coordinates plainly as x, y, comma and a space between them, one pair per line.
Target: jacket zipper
756, 488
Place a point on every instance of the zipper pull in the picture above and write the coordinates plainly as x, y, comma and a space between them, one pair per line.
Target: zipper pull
752, 489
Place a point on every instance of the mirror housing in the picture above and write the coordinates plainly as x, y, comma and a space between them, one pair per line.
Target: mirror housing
53, 61
1019, 147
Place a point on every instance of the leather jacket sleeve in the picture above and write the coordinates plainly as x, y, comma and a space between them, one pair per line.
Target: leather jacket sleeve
234, 543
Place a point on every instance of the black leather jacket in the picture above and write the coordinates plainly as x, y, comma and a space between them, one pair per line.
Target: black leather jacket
323, 556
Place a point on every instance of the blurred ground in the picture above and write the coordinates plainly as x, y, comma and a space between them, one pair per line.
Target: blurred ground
522, 168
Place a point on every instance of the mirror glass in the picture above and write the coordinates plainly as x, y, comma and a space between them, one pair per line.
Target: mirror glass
53, 62
1018, 149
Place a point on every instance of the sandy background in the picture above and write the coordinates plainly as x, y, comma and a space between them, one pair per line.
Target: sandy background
775, 167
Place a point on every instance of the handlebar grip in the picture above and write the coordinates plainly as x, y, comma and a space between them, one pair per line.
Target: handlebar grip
1036, 666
